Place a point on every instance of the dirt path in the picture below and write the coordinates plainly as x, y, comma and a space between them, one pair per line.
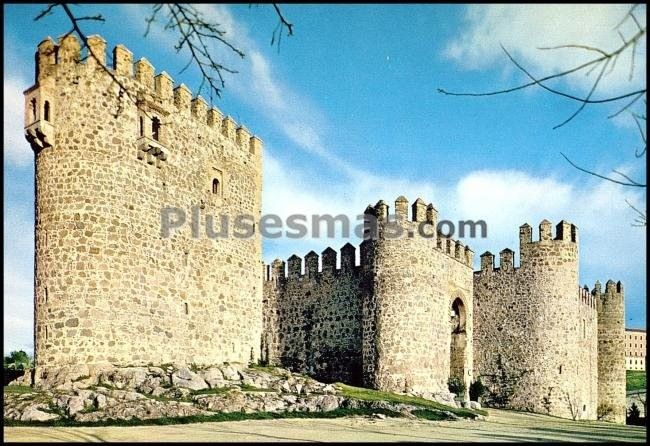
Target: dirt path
500, 426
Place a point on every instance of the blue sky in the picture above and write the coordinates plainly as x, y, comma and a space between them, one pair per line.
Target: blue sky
349, 114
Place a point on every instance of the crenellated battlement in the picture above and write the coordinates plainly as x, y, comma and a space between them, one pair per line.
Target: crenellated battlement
564, 232
422, 222
586, 297
154, 94
293, 268
613, 291
506, 262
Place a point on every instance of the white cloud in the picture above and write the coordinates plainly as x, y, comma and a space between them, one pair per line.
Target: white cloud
507, 199
522, 29
16, 149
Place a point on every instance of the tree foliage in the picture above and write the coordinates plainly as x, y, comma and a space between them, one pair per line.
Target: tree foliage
17, 360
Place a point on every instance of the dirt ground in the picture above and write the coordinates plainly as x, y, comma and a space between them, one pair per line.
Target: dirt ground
500, 426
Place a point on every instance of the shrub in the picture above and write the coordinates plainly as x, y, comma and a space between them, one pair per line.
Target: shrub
456, 386
634, 415
477, 389
604, 410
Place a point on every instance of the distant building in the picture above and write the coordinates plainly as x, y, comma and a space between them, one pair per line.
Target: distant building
634, 349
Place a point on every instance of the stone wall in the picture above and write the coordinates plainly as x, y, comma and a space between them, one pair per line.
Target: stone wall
109, 288
384, 323
318, 323
535, 331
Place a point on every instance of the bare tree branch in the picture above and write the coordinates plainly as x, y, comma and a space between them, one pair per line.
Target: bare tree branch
282, 23
640, 219
630, 183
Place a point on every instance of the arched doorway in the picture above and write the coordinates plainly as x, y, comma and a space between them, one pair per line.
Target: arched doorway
457, 361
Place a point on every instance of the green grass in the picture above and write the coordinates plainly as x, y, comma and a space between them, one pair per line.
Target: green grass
218, 417
635, 380
249, 388
215, 391
81, 378
377, 395
19, 389
431, 415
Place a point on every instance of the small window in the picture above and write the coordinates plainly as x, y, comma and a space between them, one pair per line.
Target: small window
560, 370
33, 104
46, 111
46, 295
215, 187
584, 407
187, 308
584, 329
155, 128
141, 126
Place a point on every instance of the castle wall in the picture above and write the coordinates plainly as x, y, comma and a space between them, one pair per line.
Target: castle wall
611, 350
535, 331
108, 287
384, 323
318, 323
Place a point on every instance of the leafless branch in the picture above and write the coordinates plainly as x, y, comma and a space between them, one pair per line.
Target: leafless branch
282, 24
640, 219
196, 34
607, 59
613, 180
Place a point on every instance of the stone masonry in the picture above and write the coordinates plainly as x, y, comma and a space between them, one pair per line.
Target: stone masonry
399, 321
541, 343
119, 150
109, 288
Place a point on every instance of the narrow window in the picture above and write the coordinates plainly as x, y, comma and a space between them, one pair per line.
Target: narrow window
46, 295
584, 329
215, 186
187, 308
33, 103
46, 111
584, 407
155, 128
47, 333
560, 370
141, 126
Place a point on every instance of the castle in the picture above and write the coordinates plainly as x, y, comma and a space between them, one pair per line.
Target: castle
114, 147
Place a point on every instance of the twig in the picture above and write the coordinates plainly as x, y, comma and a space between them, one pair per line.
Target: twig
632, 183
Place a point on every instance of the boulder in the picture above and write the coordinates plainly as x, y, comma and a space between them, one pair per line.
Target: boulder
100, 401
33, 413
230, 373
327, 403
75, 404
474, 405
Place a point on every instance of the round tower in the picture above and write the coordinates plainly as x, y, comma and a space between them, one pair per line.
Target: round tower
611, 351
535, 330
421, 302
558, 373
127, 170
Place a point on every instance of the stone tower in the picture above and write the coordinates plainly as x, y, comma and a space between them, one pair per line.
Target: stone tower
535, 330
418, 318
611, 349
401, 320
117, 151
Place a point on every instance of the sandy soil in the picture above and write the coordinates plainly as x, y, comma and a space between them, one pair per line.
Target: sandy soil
500, 426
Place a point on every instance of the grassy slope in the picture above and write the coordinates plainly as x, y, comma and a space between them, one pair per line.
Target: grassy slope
636, 380
377, 395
